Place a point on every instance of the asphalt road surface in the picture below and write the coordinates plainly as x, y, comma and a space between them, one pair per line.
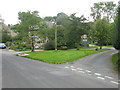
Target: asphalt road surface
19, 72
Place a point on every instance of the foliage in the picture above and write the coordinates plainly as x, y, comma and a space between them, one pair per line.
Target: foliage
5, 36
28, 22
100, 31
60, 56
49, 46
116, 41
60, 35
62, 19
115, 62
18, 45
21, 47
64, 47
103, 9
76, 30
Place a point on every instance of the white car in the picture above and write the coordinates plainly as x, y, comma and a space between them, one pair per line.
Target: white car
2, 46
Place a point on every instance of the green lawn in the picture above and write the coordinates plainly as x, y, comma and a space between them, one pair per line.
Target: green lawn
108, 46
94, 47
115, 60
60, 56
89, 47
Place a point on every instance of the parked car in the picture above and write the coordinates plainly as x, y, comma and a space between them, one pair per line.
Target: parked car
2, 46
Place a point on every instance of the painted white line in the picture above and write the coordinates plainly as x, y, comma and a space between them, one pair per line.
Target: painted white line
114, 82
71, 66
73, 69
79, 68
88, 71
108, 77
67, 67
101, 78
81, 71
97, 74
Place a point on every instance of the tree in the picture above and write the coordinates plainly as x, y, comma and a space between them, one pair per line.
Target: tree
103, 9
116, 42
100, 31
96, 11
109, 10
75, 30
5, 37
49, 18
62, 19
61, 23
61, 35
28, 21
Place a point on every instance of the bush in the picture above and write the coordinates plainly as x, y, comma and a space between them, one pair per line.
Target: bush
8, 43
49, 46
64, 47
21, 47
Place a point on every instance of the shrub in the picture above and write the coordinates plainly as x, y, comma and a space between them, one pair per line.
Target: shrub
8, 43
49, 46
64, 47
21, 47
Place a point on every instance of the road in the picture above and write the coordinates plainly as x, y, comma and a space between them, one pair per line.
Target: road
19, 72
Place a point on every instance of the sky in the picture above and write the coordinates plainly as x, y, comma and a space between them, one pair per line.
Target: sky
9, 8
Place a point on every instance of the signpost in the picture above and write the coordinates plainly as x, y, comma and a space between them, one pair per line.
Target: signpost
85, 39
33, 28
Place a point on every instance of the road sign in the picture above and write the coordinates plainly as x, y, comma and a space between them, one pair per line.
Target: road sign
34, 36
84, 37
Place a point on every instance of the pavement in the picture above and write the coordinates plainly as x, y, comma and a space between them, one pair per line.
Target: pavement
94, 71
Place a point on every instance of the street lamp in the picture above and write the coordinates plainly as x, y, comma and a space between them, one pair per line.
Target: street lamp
55, 35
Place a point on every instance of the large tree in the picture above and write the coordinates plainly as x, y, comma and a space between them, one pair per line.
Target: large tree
28, 22
60, 22
100, 31
103, 9
116, 41
75, 30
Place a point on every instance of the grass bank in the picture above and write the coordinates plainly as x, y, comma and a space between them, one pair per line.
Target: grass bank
115, 61
60, 56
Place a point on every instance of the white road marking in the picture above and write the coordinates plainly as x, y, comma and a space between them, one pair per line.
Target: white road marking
114, 82
79, 68
73, 69
81, 71
87, 71
108, 77
71, 66
101, 78
97, 74
67, 67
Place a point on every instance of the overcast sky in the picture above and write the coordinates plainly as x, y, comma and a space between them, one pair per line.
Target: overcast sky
9, 8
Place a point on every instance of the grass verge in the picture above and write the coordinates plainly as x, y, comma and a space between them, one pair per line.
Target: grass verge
89, 47
115, 61
60, 56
